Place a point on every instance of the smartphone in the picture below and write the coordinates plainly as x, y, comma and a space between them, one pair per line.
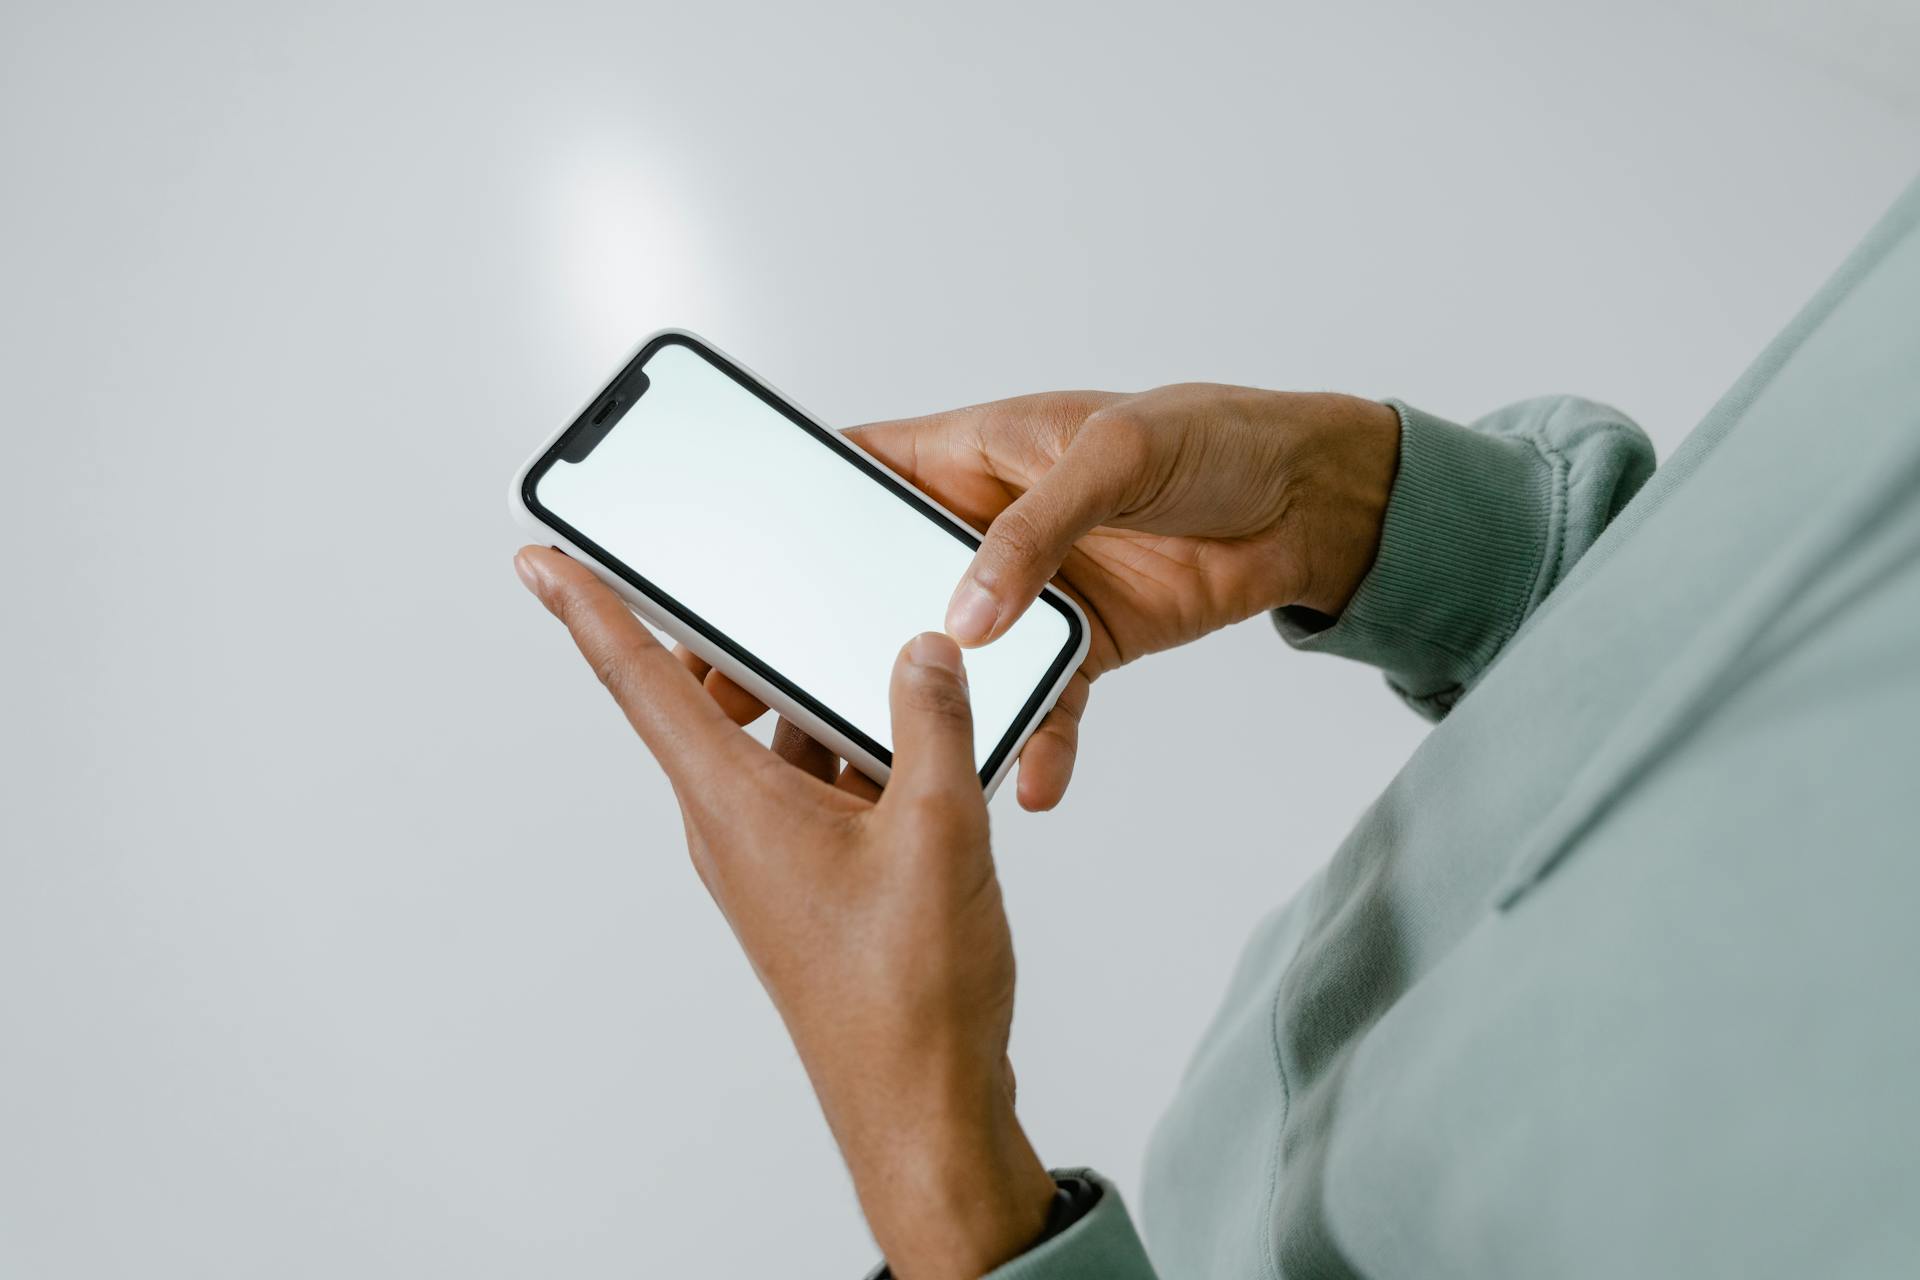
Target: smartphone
781, 552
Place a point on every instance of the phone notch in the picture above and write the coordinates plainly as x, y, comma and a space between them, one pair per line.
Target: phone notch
603, 416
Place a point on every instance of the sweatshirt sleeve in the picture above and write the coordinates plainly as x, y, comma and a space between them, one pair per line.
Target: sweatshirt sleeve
1483, 522
1100, 1244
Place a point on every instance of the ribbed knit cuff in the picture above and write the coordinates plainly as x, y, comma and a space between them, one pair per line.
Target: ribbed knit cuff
1461, 554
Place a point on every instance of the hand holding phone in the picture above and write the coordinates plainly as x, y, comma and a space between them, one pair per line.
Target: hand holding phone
1166, 515
874, 921
780, 553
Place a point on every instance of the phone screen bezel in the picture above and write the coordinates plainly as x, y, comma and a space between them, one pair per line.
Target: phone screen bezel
913, 498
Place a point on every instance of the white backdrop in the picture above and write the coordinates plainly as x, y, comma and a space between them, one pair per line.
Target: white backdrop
344, 930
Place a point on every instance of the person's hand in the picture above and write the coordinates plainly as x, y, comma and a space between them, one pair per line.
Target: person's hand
1168, 515
873, 920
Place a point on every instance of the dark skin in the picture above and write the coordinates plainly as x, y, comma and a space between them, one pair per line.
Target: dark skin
1168, 515
874, 919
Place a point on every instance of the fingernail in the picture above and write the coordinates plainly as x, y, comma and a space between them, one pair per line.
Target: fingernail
931, 649
529, 576
971, 615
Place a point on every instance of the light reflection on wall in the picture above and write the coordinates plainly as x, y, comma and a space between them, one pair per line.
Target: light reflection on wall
623, 254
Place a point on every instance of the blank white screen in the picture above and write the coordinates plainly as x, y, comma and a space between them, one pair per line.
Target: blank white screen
787, 548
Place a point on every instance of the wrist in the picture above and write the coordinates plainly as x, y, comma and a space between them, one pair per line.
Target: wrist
952, 1197
1347, 478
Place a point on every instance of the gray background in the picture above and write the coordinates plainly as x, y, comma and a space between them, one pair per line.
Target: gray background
344, 930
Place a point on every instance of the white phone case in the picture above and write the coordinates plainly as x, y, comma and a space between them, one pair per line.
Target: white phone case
659, 617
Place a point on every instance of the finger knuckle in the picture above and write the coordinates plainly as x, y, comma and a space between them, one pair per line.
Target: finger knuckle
1120, 429
1017, 536
566, 605
614, 669
939, 696
944, 809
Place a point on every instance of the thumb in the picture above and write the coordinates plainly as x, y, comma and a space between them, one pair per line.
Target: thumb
932, 723
1027, 541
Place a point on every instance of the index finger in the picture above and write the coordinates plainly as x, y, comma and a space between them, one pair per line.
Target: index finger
1045, 417
685, 729
899, 442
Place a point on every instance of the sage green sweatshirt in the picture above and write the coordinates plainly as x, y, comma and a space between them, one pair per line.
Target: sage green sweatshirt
1621, 975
